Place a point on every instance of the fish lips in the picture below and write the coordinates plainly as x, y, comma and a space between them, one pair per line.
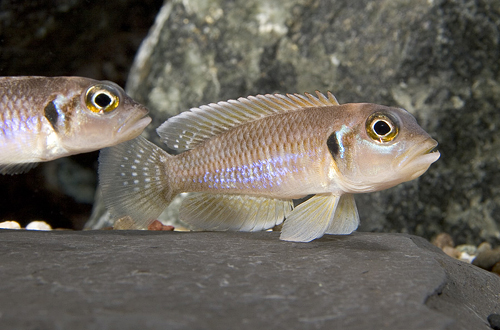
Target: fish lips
418, 159
135, 124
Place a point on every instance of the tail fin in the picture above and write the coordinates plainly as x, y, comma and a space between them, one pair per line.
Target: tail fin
134, 181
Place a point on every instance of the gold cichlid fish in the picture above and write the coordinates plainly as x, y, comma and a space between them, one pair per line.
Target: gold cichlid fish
44, 118
244, 162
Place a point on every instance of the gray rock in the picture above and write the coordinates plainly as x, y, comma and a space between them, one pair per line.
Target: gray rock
438, 59
158, 280
494, 320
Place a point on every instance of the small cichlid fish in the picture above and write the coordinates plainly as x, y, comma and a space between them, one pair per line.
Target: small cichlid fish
245, 160
44, 118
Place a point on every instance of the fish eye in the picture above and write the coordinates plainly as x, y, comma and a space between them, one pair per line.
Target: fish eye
381, 128
101, 99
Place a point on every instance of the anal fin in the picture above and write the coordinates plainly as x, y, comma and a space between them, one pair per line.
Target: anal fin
221, 212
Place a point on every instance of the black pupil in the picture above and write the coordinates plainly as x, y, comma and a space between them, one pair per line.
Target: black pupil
381, 128
102, 100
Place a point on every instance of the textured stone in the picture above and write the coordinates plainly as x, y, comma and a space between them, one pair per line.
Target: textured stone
75, 37
494, 320
487, 259
171, 280
496, 268
438, 59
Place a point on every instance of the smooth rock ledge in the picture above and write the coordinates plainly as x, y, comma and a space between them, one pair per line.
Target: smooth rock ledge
207, 280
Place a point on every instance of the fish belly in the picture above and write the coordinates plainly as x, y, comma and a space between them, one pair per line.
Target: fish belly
23, 138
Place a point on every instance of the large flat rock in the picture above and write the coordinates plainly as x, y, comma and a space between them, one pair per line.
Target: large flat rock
170, 280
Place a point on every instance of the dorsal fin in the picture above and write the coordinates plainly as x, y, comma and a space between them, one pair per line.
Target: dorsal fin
188, 129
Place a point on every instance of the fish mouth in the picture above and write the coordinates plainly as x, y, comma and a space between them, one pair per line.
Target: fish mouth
141, 124
432, 153
134, 125
418, 159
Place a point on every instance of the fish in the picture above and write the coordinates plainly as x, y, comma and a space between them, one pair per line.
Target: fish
244, 162
45, 118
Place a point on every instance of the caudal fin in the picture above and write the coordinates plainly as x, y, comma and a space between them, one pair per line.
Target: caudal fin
134, 182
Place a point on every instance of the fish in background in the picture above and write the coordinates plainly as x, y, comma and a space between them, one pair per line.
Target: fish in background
244, 162
44, 118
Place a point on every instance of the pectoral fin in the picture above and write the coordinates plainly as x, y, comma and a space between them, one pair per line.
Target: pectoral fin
221, 212
346, 218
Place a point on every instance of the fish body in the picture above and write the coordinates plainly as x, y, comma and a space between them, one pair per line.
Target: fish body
245, 161
44, 118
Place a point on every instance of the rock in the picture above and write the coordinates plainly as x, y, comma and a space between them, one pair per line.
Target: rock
438, 59
157, 225
485, 246
38, 225
494, 320
443, 240
467, 248
171, 280
487, 259
452, 252
73, 37
10, 225
496, 268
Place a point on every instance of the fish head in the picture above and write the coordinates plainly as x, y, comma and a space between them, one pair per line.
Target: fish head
102, 115
380, 148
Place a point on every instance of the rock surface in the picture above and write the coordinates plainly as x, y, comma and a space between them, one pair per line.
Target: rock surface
172, 280
438, 59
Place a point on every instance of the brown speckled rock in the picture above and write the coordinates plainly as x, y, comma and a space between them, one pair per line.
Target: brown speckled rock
496, 268
487, 259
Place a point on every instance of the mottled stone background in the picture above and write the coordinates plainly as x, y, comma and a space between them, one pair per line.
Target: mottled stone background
438, 59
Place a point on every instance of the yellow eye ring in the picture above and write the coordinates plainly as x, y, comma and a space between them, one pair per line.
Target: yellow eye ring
101, 99
381, 128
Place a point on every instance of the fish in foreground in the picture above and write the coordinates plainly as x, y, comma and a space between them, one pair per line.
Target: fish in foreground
44, 118
244, 162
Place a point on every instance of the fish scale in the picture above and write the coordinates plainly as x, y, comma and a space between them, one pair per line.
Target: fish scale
244, 161
44, 118
233, 161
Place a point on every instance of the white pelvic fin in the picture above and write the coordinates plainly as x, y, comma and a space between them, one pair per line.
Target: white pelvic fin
16, 168
133, 182
346, 218
188, 129
221, 212
310, 219
20, 151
